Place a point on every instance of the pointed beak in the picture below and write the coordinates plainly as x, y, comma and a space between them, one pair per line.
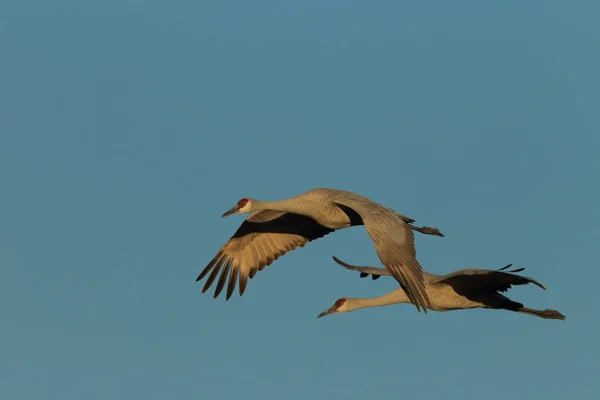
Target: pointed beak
330, 310
232, 210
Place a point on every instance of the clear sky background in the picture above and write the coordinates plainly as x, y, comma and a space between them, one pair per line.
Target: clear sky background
127, 128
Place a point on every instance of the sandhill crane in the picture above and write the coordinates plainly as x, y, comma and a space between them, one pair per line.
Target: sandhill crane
275, 228
463, 289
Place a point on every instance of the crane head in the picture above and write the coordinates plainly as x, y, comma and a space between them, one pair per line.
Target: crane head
243, 206
337, 307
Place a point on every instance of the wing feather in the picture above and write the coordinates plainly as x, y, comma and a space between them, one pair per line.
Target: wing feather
485, 280
364, 271
223, 277
216, 265
260, 240
395, 245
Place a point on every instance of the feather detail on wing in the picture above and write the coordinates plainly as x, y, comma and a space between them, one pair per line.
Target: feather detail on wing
261, 239
364, 271
394, 242
486, 280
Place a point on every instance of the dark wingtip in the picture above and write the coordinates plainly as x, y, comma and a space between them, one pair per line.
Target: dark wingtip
337, 260
216, 259
233, 276
503, 268
205, 271
243, 283
222, 278
537, 284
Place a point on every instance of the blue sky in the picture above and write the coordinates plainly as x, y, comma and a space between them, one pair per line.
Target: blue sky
127, 128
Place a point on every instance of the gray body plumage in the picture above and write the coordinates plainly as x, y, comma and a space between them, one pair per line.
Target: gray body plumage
462, 289
275, 228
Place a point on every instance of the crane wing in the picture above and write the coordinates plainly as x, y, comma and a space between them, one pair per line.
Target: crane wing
364, 271
261, 239
485, 280
394, 242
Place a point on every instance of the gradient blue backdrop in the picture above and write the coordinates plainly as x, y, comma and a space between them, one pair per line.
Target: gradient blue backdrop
127, 128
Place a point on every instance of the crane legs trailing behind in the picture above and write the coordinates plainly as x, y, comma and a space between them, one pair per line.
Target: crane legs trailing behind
459, 290
274, 228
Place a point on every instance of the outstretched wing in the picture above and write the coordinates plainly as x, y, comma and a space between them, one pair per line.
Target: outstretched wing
364, 271
394, 242
261, 239
485, 280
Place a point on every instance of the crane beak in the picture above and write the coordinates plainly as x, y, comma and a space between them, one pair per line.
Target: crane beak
330, 310
232, 210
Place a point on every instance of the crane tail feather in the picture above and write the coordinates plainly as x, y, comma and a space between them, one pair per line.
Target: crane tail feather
530, 280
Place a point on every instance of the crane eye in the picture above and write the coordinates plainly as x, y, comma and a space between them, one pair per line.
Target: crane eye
340, 302
242, 202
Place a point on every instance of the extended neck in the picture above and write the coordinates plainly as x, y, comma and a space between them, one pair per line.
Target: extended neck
395, 297
287, 205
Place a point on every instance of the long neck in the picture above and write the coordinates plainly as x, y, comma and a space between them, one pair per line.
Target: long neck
395, 297
288, 205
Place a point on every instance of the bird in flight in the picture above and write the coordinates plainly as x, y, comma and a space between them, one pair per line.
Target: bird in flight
275, 228
458, 290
